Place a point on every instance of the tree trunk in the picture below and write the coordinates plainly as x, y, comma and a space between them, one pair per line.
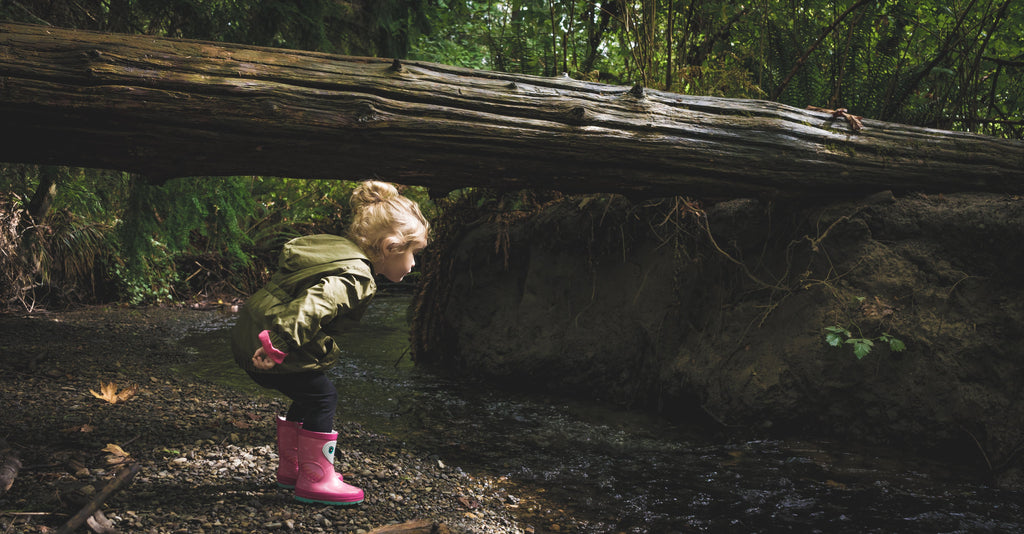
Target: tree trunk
45, 192
167, 108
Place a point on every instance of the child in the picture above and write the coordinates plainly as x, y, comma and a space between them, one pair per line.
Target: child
283, 335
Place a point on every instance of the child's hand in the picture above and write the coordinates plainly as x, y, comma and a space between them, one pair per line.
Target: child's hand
261, 361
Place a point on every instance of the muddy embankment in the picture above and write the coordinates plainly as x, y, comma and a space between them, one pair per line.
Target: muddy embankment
721, 314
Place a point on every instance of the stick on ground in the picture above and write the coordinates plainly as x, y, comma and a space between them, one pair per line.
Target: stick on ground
124, 476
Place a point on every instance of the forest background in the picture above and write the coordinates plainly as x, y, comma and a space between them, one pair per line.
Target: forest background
73, 235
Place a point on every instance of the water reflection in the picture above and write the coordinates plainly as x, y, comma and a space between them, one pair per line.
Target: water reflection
627, 472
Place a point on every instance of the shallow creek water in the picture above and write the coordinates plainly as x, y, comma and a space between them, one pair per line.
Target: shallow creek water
622, 471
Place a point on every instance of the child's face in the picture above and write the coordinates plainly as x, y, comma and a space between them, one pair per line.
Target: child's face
395, 265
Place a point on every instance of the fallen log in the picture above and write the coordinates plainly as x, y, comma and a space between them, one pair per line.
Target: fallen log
167, 108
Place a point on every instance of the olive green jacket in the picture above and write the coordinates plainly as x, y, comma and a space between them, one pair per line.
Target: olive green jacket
322, 283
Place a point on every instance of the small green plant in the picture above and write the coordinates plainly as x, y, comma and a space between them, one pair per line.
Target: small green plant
837, 335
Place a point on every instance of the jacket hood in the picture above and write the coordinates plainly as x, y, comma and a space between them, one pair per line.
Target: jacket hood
312, 250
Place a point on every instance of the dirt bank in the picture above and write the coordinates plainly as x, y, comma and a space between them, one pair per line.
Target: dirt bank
205, 451
722, 314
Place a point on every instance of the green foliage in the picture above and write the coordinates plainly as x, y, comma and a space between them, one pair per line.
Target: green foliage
60, 256
186, 217
837, 336
920, 62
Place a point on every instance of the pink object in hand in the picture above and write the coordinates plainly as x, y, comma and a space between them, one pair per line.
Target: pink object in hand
268, 348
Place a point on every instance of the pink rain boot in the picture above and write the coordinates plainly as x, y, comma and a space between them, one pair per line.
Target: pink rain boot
287, 452
318, 482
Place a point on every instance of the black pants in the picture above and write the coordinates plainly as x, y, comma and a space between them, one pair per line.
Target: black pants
313, 396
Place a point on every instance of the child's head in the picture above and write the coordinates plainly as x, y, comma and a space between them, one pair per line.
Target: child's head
385, 223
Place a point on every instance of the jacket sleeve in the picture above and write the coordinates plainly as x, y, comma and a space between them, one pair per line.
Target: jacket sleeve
298, 321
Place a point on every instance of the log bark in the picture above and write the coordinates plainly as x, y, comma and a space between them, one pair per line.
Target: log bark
167, 108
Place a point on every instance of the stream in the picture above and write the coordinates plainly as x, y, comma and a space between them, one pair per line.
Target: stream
615, 470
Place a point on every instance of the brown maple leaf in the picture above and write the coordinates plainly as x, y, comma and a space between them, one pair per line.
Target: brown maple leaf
108, 392
128, 392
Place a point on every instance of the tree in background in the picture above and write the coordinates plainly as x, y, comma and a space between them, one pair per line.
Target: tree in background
921, 62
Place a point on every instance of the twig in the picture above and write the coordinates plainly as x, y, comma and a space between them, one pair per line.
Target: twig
980, 448
123, 477
33, 513
401, 356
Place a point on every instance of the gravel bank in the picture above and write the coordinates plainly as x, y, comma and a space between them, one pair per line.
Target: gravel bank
206, 452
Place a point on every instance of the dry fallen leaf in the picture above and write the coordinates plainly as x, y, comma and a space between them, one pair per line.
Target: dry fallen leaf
117, 454
115, 449
108, 392
127, 392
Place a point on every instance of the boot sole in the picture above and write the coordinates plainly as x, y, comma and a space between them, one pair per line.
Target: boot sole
331, 503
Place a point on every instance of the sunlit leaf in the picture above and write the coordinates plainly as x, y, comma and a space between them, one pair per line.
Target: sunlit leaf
116, 450
116, 455
108, 392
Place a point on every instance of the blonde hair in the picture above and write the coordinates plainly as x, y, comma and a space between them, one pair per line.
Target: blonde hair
380, 212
